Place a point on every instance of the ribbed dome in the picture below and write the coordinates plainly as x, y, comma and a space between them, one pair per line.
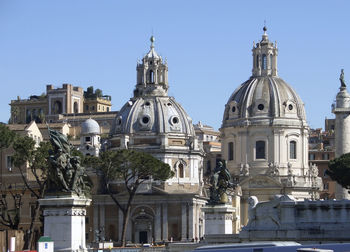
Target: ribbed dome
154, 114
90, 126
264, 100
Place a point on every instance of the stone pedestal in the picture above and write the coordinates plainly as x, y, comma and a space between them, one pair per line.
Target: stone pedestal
218, 219
64, 221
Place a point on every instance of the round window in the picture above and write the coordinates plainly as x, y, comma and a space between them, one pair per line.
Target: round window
145, 119
169, 104
290, 107
147, 103
261, 106
175, 120
233, 109
119, 121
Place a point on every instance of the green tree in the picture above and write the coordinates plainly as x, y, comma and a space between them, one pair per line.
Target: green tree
32, 162
8, 217
98, 93
132, 168
339, 170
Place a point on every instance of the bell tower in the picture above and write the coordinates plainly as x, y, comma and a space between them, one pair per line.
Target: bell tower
264, 57
152, 74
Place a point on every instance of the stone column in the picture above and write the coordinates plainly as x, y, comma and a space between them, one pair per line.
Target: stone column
184, 222
120, 224
157, 225
102, 222
95, 221
165, 222
191, 221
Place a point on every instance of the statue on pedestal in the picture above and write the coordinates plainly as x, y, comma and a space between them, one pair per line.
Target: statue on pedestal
67, 174
220, 182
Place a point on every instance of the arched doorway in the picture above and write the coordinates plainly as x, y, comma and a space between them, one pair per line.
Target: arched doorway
143, 225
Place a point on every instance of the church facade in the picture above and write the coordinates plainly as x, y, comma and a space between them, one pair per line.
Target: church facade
156, 123
265, 134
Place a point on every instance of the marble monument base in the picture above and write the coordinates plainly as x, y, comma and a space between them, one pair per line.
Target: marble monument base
218, 219
64, 221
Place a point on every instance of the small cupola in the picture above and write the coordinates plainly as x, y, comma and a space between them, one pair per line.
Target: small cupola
264, 57
152, 74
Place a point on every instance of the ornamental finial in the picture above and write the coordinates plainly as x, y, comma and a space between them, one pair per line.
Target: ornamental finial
152, 39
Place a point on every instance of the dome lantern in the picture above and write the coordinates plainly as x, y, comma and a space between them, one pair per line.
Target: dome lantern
265, 57
152, 74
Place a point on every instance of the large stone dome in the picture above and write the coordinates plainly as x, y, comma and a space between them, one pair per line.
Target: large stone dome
153, 114
264, 100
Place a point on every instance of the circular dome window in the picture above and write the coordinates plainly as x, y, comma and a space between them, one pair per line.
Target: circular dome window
119, 121
169, 104
145, 119
147, 103
175, 120
261, 107
290, 107
233, 109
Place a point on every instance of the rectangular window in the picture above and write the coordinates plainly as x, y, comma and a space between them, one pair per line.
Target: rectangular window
325, 156
87, 139
325, 186
230, 151
311, 156
9, 163
293, 150
260, 150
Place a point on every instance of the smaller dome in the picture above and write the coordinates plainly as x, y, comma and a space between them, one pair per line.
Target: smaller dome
90, 126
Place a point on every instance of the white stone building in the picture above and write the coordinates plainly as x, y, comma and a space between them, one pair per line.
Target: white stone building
265, 134
154, 122
90, 138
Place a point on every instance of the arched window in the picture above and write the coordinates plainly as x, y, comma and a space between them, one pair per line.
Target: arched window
264, 62
230, 151
293, 150
257, 60
76, 109
28, 116
181, 170
151, 76
260, 150
57, 107
270, 61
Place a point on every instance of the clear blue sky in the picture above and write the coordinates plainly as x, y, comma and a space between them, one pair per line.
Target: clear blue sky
207, 44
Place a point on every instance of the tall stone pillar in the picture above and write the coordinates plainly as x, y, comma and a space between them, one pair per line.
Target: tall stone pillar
191, 221
157, 225
165, 222
102, 222
120, 224
342, 133
184, 222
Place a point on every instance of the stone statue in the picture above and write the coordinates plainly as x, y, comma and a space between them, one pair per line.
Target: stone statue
220, 182
341, 78
66, 174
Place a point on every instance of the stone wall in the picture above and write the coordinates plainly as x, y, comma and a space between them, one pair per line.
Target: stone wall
284, 218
